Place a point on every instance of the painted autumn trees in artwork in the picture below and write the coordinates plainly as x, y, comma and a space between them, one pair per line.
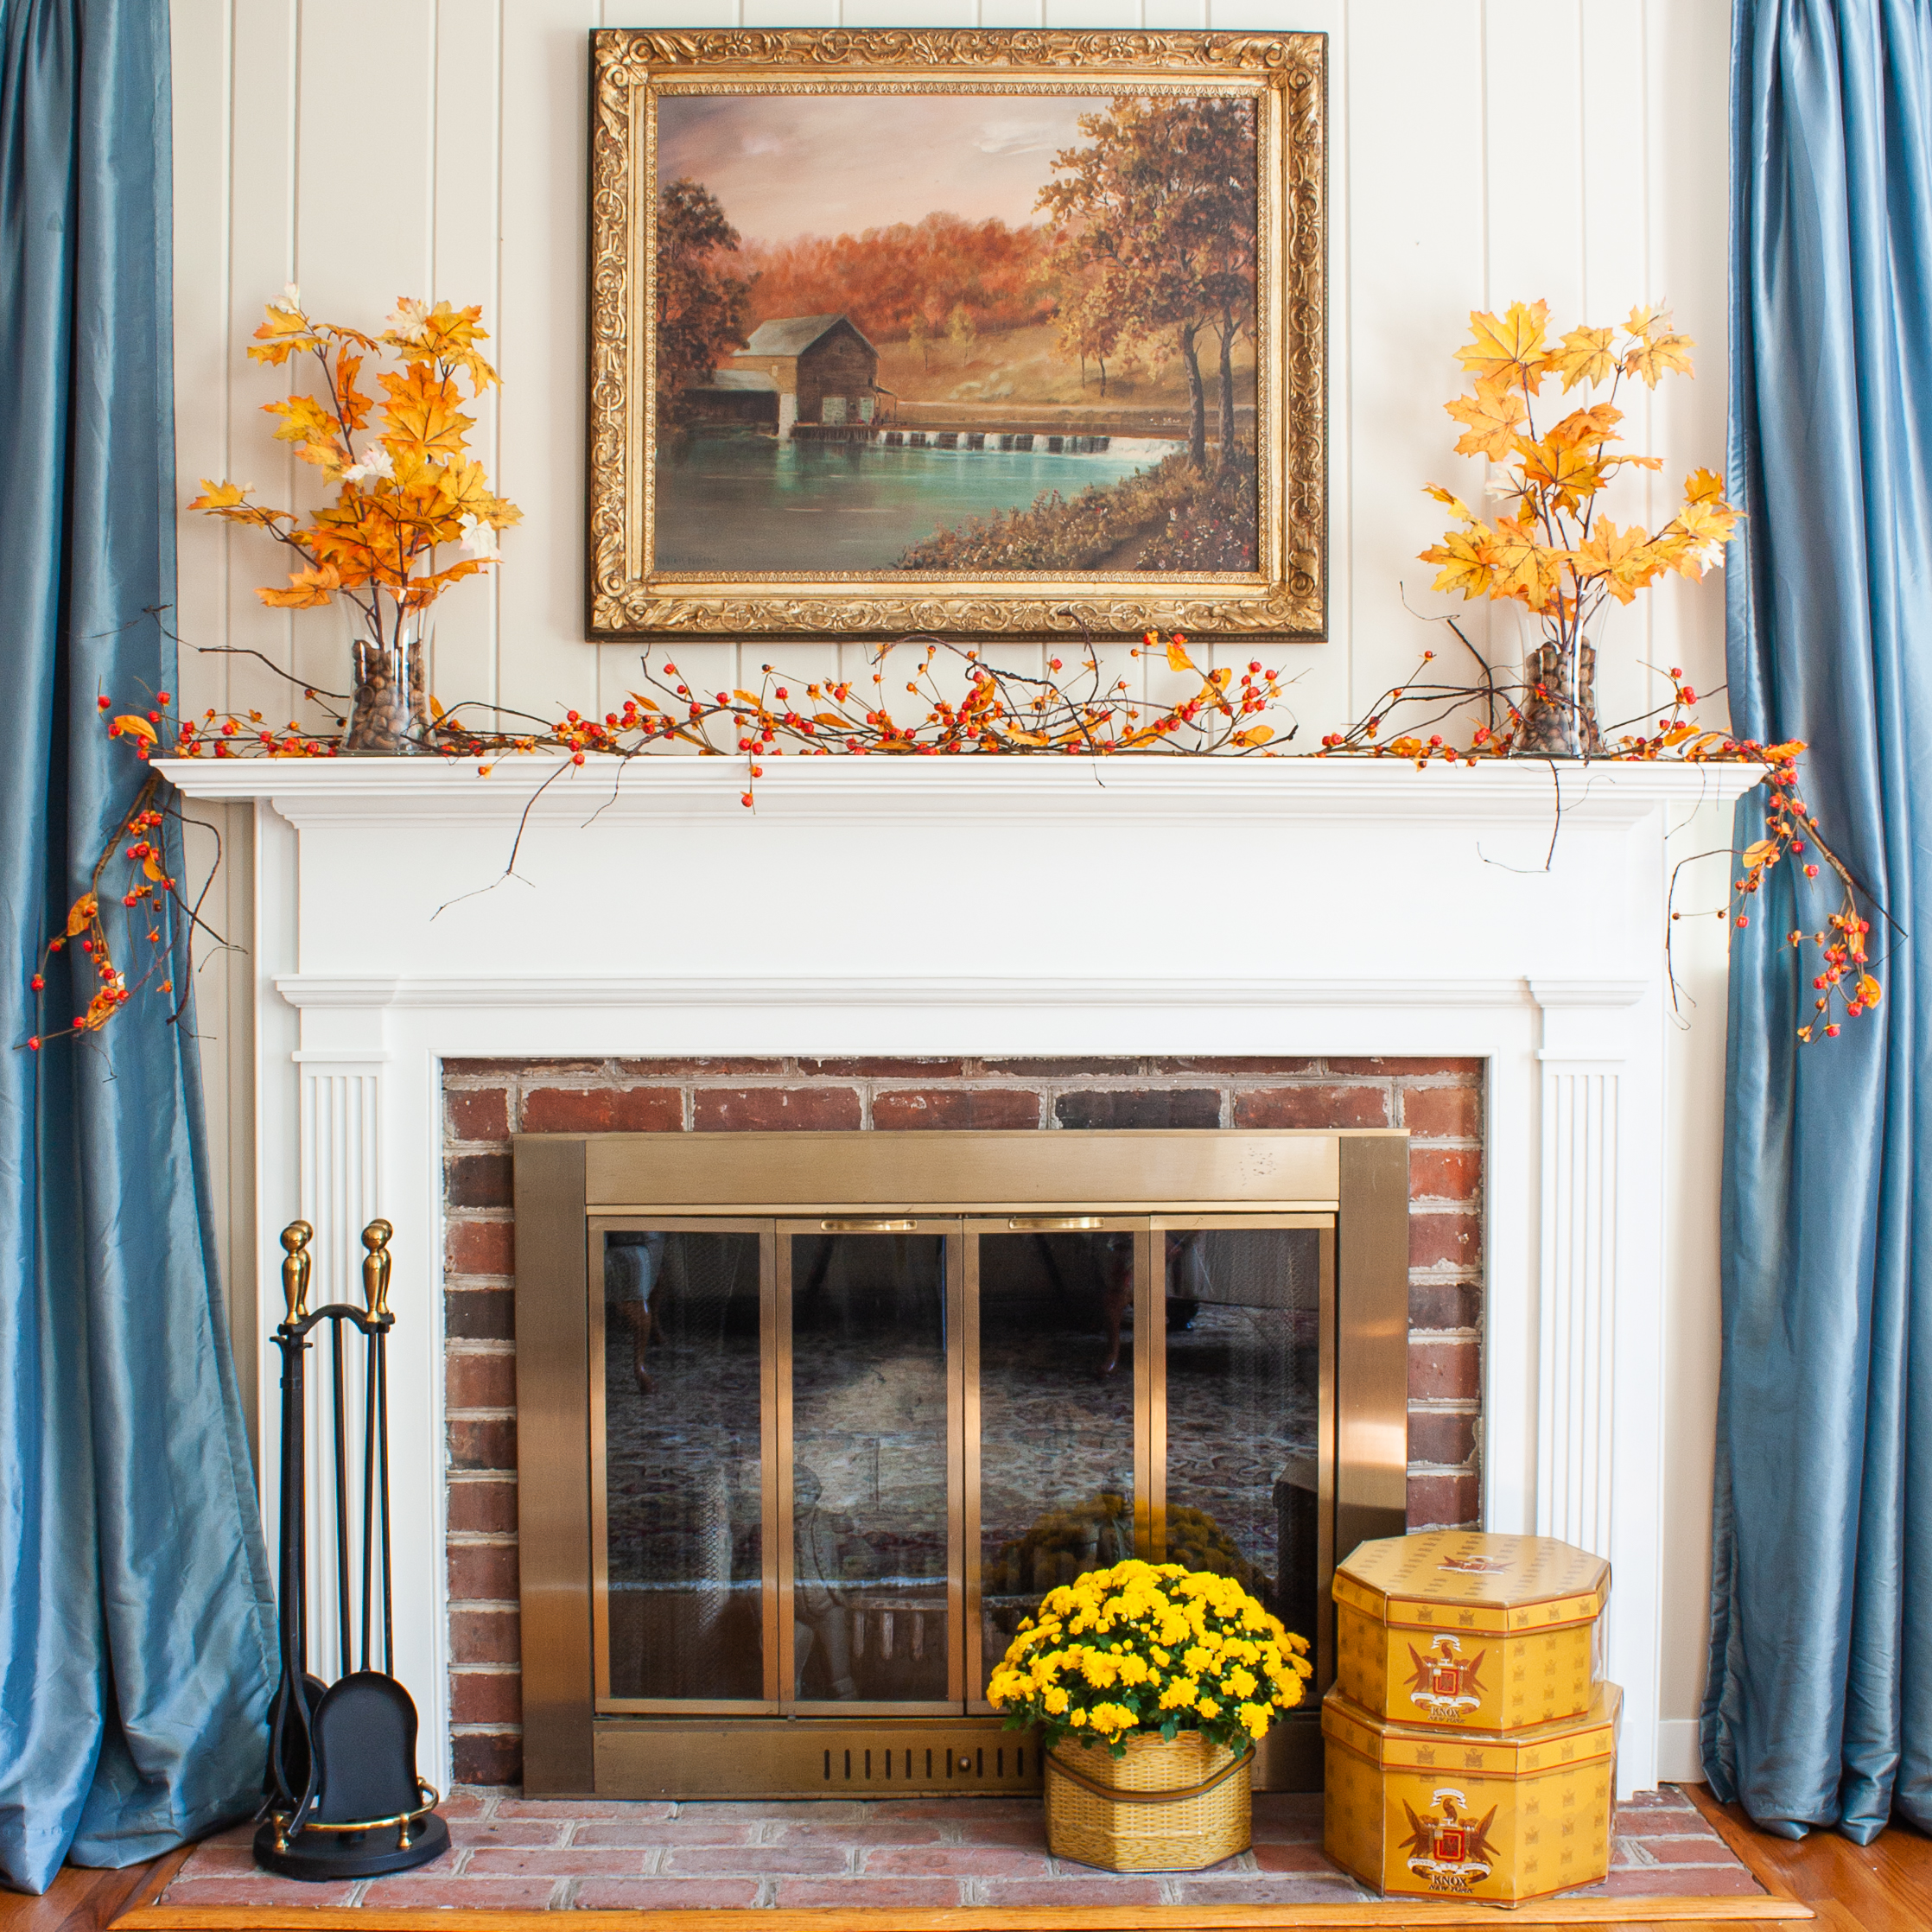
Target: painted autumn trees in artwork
1158, 239
704, 310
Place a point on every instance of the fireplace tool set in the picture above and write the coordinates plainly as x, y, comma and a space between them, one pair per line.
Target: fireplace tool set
342, 1797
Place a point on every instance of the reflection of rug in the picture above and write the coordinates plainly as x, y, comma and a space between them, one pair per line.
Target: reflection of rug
511, 1853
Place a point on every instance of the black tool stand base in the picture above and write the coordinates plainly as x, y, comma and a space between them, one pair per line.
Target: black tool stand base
338, 1854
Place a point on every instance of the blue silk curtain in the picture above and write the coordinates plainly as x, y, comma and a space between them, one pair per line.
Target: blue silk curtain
1819, 1710
134, 1604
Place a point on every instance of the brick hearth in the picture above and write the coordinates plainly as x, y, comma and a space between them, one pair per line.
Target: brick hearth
1440, 1101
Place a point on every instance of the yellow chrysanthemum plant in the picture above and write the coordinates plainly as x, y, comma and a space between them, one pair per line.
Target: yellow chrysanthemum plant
1150, 1648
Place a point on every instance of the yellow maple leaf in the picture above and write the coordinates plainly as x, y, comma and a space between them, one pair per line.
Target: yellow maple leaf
285, 332
466, 487
1511, 350
1525, 568
1584, 357
1465, 558
1595, 425
1456, 507
307, 589
1657, 347
1622, 560
1703, 486
1491, 417
1563, 472
422, 414
217, 497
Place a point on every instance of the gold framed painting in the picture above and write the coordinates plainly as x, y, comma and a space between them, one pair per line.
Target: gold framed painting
980, 333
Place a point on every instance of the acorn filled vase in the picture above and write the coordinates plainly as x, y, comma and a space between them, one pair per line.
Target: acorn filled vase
389, 698
1560, 701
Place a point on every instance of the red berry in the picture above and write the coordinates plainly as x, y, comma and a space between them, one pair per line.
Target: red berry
34, 1043
1833, 1029
38, 984
105, 703
1743, 919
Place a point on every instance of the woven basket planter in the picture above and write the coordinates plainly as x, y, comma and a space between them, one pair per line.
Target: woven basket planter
1163, 1807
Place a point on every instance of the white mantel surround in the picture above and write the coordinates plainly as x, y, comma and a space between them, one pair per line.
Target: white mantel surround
1036, 905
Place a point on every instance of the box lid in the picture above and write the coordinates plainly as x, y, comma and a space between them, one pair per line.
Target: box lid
1465, 1580
1536, 1747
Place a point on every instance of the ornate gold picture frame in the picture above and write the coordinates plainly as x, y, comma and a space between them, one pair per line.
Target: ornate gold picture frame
972, 332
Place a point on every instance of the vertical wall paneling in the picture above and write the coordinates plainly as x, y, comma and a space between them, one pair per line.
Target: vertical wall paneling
1480, 150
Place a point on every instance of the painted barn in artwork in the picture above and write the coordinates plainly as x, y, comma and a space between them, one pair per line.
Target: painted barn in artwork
823, 369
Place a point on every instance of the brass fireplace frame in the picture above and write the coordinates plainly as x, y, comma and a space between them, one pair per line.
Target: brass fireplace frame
571, 1188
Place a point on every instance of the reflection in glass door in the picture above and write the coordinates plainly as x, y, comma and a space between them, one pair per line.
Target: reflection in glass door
1050, 1360
683, 1466
869, 1423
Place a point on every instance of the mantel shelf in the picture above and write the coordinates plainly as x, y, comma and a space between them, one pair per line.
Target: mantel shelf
434, 790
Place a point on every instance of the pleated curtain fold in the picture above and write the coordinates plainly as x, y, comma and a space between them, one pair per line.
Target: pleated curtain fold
136, 1608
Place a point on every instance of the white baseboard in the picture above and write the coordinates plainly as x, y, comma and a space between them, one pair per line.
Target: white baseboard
1678, 1758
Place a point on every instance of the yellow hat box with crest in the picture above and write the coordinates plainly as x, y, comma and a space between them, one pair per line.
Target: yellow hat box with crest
1498, 1817
1467, 1631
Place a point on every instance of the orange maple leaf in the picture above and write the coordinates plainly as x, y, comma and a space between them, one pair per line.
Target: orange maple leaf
1622, 560
1584, 357
1509, 350
422, 414
1466, 559
1491, 416
307, 589
1655, 347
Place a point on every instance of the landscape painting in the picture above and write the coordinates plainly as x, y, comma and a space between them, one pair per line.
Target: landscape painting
951, 335
956, 333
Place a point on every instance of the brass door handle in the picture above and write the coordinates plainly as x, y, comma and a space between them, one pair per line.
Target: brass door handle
868, 1227
1053, 1223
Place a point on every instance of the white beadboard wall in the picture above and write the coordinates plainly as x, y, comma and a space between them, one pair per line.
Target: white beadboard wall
1481, 151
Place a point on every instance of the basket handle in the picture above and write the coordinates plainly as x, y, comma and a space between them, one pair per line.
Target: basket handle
1120, 1797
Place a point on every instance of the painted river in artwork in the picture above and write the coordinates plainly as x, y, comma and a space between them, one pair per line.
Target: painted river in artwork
751, 503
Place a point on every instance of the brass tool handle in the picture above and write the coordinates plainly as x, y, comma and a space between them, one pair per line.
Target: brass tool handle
868, 1227
1052, 1223
297, 1268
375, 1268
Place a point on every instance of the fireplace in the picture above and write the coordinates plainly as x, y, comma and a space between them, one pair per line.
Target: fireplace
808, 1422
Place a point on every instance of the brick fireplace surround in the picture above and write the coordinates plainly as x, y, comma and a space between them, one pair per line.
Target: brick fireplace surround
1441, 1102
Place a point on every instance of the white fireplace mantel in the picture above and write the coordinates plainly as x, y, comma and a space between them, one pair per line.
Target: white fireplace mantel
1131, 905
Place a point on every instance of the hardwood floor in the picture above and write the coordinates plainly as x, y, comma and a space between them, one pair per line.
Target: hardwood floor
1885, 1886
1882, 1887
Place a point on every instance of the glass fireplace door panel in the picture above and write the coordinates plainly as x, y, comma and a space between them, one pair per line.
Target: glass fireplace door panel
682, 1449
1246, 1469
1051, 1315
874, 1545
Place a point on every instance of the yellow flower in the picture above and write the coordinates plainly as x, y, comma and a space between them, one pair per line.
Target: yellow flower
1077, 1718
1180, 1695
1254, 1718
1197, 1659
1209, 1708
1242, 1682
1055, 1701
1134, 1670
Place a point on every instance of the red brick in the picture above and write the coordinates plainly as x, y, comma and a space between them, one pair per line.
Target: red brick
478, 1314
700, 1825
1705, 1848
733, 1861
766, 1110
1448, 1440
883, 1068
665, 1895
981, 1107
257, 1887
672, 1067
1443, 1113
966, 1861
1312, 1107
469, 1833
1443, 1371
485, 1443
219, 1861
570, 1811
480, 1381
474, 1180
513, 1069
1640, 1804
1445, 1240
489, 1507
968, 1813
1078, 1888
483, 1636
488, 1756
851, 1895
1291, 1858
430, 1889
483, 1573
1298, 1888
1263, 1065
889, 1831
603, 1110
482, 1247
1466, 1070
1649, 1881
1445, 1501
555, 1861
460, 1801
1144, 1107
479, 1114
1094, 1068
1444, 1305
1445, 1174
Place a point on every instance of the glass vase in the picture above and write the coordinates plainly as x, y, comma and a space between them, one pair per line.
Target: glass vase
389, 704
1559, 708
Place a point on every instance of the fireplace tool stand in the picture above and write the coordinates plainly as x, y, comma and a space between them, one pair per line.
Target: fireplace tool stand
342, 1797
